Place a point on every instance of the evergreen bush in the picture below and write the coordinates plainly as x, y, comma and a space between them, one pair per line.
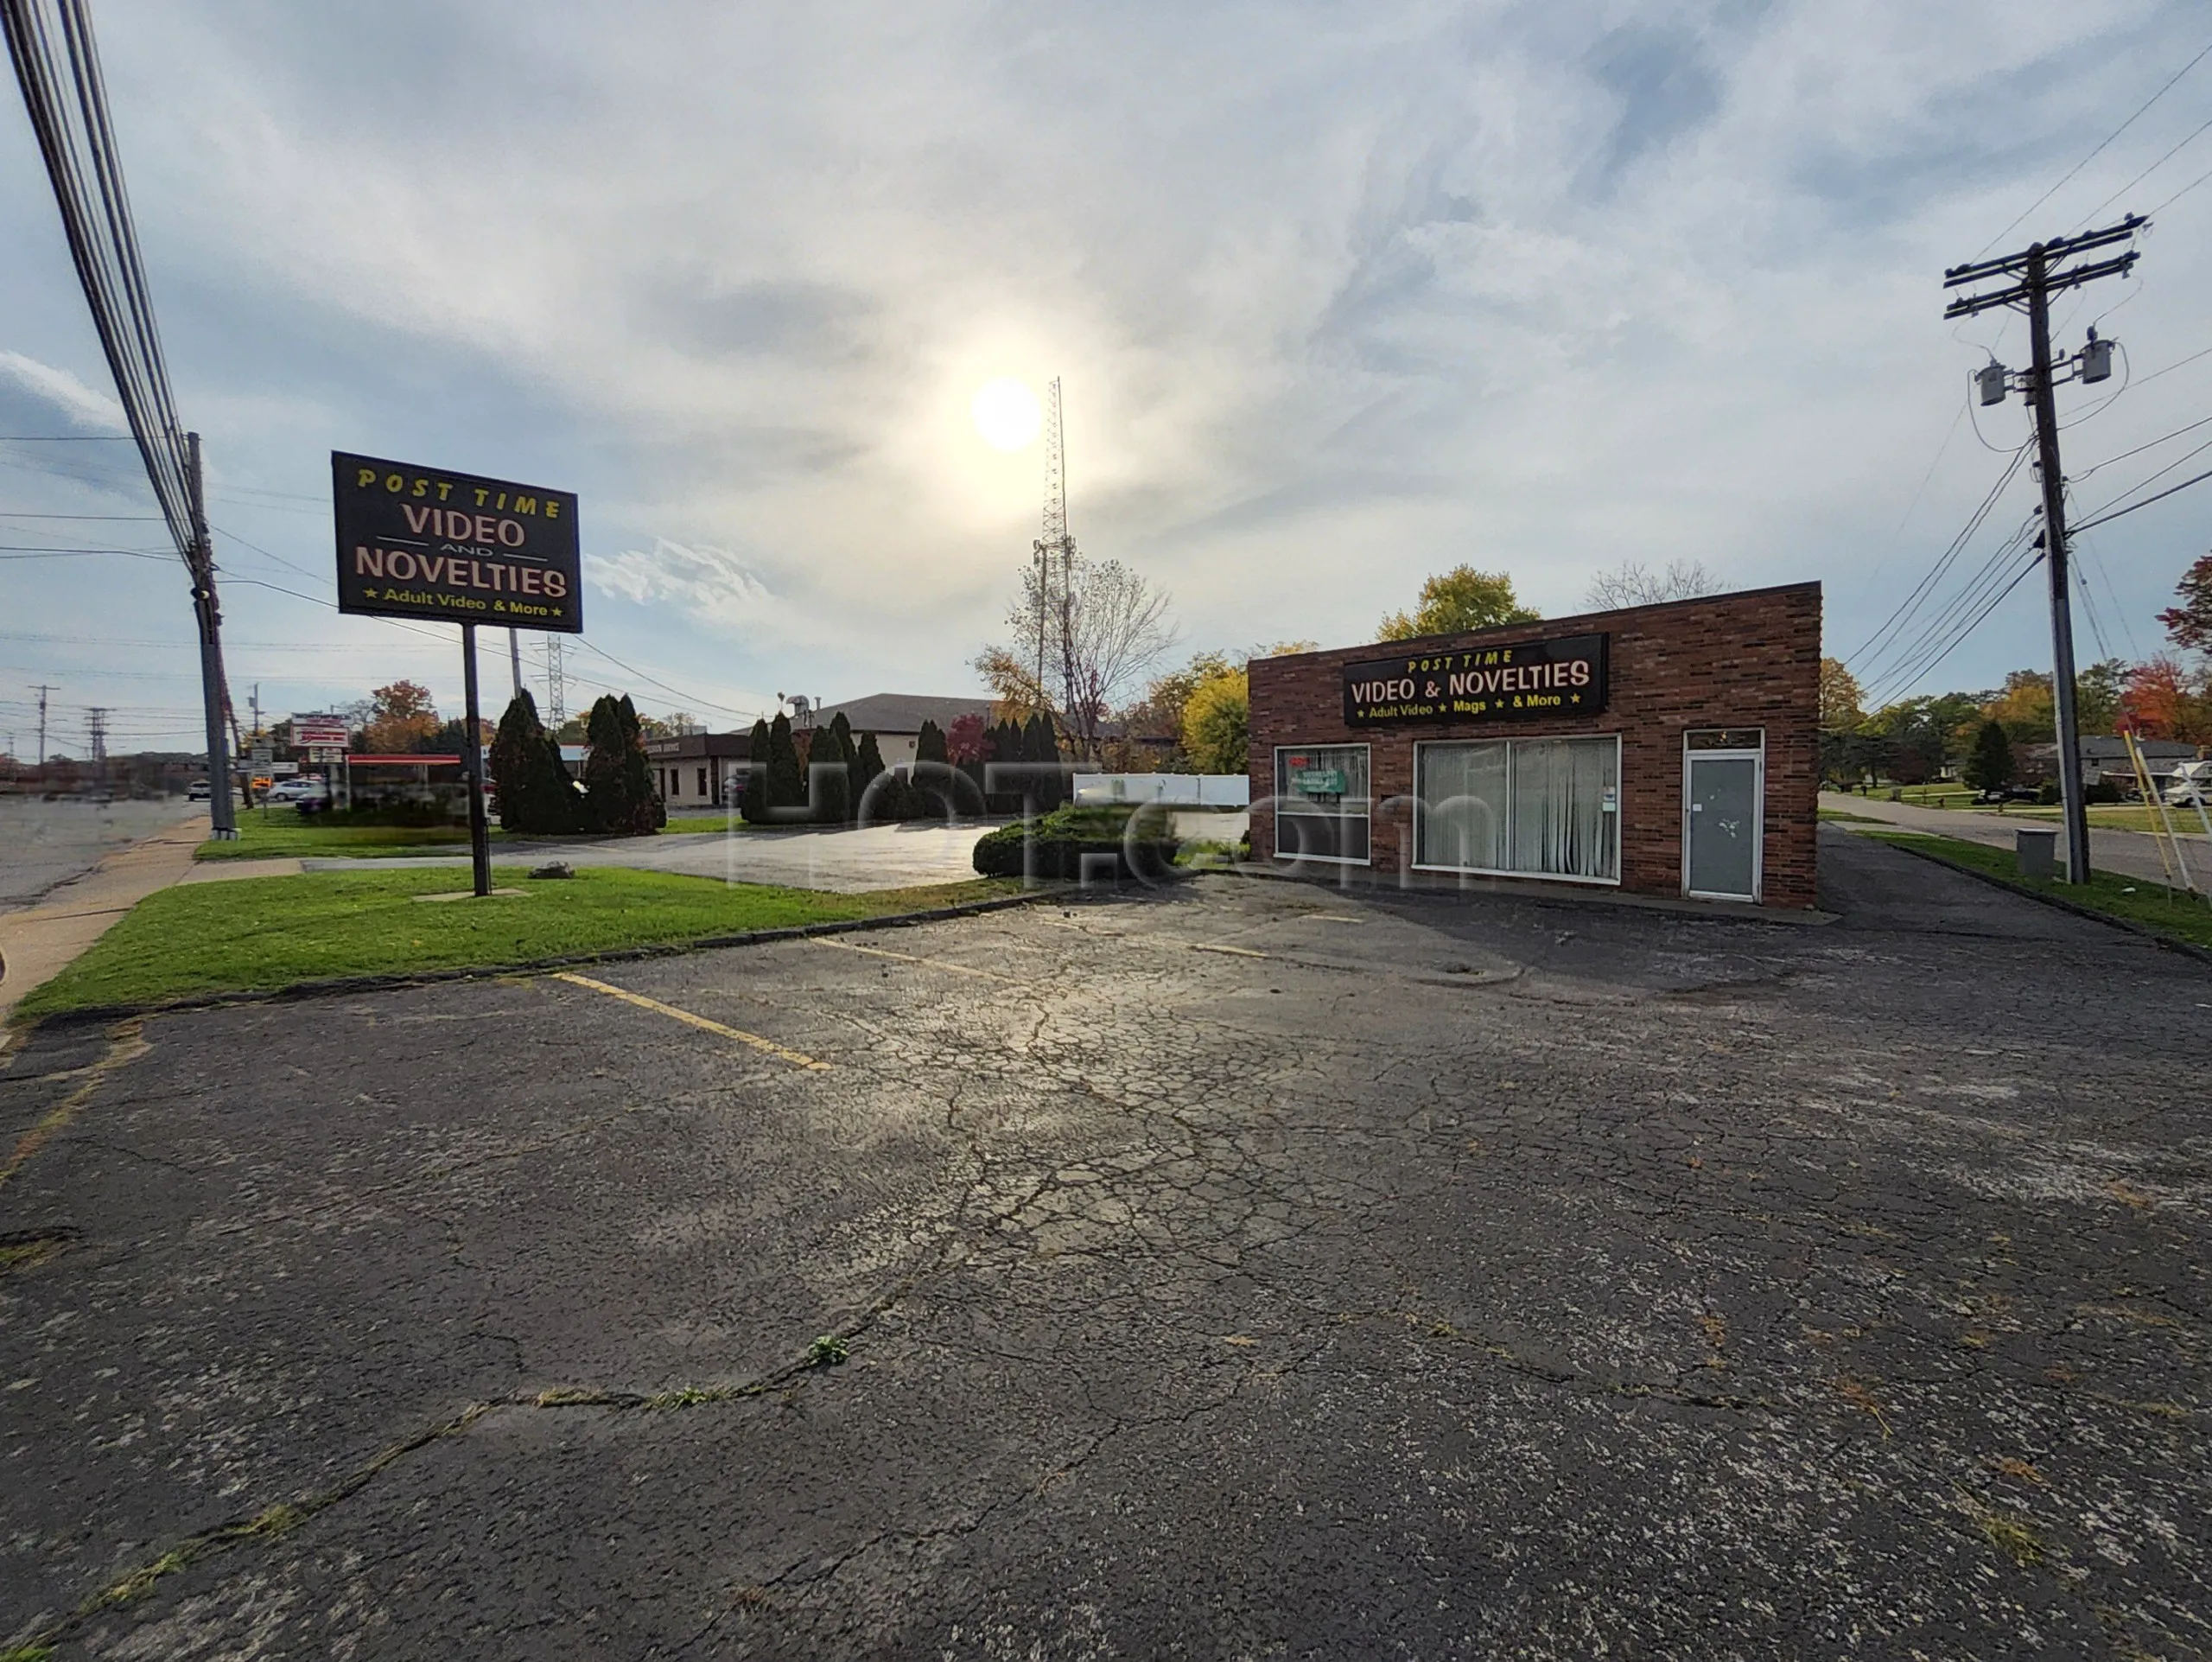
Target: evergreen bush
786, 787
536, 798
620, 800
754, 803
1053, 846
829, 761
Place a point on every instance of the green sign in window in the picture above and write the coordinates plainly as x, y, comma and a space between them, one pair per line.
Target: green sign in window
1318, 782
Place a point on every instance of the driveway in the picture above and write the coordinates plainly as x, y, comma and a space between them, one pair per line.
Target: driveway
1257, 1269
2134, 854
846, 860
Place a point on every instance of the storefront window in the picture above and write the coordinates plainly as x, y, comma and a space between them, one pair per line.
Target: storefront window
1321, 802
1531, 807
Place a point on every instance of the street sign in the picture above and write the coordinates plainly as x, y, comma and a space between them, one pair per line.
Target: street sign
422, 542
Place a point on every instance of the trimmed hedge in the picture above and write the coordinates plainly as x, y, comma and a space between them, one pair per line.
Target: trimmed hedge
1061, 839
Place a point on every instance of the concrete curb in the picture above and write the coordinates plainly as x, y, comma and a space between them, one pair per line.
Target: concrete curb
2186, 949
1538, 894
338, 986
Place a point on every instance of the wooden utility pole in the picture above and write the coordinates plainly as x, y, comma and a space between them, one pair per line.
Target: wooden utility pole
222, 817
2036, 277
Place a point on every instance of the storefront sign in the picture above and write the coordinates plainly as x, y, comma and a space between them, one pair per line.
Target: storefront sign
419, 541
1525, 682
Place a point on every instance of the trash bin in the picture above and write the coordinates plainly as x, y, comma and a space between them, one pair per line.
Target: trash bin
2036, 852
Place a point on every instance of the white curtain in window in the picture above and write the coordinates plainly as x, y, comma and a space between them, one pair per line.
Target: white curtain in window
1534, 805
1463, 807
1559, 824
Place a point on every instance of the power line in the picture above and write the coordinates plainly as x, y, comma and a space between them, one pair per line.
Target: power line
2177, 364
1959, 615
2146, 174
2106, 517
703, 703
1959, 639
2152, 445
69, 115
1897, 618
2094, 154
2183, 192
66, 438
2178, 462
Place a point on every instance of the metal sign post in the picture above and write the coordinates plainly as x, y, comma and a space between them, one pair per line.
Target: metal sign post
472, 761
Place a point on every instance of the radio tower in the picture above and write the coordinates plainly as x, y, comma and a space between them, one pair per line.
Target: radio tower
556, 703
1055, 550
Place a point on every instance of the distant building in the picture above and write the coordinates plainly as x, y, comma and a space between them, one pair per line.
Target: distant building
896, 719
2105, 757
706, 770
699, 770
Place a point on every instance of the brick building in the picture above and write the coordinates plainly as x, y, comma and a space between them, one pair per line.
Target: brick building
1666, 750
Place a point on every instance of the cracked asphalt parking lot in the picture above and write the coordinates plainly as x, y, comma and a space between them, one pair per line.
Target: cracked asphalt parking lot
1261, 1270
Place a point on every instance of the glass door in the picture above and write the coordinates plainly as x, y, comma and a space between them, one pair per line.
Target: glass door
1722, 793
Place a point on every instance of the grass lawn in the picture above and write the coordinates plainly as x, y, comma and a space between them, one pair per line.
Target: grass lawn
285, 833
1856, 818
260, 934
2135, 818
2132, 898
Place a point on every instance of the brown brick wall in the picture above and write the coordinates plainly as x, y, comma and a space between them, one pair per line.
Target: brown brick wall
1749, 659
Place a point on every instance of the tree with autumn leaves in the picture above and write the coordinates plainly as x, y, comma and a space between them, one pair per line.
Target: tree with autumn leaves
2170, 696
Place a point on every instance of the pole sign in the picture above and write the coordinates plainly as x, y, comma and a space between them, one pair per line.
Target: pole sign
422, 542
319, 733
1524, 682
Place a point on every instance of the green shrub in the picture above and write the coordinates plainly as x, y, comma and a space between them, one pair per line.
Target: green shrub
1054, 846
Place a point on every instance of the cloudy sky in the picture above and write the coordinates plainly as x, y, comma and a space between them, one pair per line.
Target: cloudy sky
1339, 296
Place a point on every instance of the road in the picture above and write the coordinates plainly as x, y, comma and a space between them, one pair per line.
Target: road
2134, 853
46, 844
1254, 1269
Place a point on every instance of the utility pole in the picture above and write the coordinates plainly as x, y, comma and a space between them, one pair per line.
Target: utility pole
96, 723
514, 658
254, 699
222, 819
2036, 274
43, 690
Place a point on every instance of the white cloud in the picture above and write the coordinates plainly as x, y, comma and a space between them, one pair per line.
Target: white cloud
700, 580
81, 406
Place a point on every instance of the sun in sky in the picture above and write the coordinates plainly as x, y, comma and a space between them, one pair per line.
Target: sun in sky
1007, 414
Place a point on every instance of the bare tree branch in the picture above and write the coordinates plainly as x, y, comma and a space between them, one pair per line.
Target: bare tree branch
1634, 584
1098, 637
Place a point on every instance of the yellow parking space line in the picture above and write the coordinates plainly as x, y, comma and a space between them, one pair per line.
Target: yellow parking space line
125, 1043
1215, 946
908, 957
782, 1052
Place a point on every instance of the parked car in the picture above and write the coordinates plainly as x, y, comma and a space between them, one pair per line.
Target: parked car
2004, 793
198, 790
299, 793
2190, 785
